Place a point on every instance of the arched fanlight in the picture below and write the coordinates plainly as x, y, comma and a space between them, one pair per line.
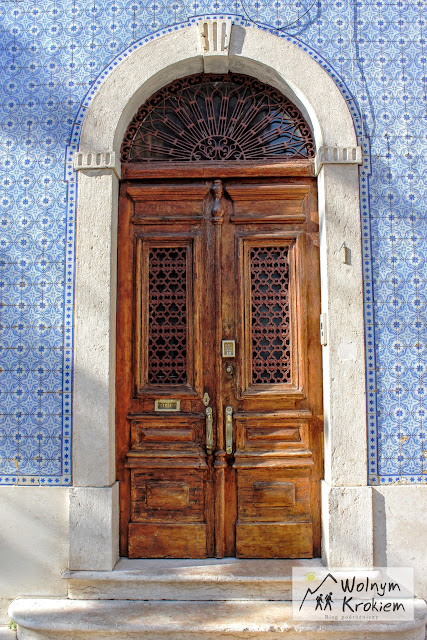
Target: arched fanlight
217, 117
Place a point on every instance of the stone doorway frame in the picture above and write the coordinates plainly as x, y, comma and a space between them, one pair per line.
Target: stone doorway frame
347, 521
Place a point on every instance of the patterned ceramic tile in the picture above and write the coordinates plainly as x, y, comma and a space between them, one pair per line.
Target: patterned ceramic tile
52, 55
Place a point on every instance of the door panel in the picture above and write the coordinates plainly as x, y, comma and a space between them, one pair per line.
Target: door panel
165, 477
201, 262
275, 541
272, 324
155, 540
167, 345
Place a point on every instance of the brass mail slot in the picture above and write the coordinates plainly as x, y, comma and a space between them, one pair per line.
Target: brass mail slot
167, 405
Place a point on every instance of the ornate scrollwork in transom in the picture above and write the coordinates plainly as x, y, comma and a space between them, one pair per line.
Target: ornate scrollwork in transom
215, 117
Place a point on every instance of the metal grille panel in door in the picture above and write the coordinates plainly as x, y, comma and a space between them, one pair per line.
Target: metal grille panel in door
271, 350
167, 315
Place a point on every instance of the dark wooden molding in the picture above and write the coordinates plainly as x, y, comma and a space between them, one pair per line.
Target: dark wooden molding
248, 169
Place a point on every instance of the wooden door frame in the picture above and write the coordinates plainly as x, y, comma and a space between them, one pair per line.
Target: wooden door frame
94, 497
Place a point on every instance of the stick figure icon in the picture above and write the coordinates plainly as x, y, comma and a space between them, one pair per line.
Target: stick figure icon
328, 600
319, 601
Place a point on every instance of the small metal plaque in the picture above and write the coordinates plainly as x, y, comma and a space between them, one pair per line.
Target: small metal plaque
166, 404
228, 349
323, 331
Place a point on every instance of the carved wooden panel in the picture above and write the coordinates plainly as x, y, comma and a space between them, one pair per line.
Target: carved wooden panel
280, 203
273, 495
165, 204
156, 432
167, 495
290, 540
148, 540
279, 431
274, 514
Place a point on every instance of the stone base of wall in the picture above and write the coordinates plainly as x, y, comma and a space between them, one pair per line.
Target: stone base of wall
35, 541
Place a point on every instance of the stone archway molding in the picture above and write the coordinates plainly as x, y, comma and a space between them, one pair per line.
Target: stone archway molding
347, 529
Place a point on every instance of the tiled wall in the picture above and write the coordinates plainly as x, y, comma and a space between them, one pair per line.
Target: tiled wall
51, 55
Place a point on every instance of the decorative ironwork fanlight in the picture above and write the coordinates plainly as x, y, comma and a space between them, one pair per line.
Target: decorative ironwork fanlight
217, 117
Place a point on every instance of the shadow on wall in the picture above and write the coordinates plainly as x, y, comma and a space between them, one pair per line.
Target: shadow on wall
380, 530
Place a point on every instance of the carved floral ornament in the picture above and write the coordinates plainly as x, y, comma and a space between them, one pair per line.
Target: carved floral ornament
217, 117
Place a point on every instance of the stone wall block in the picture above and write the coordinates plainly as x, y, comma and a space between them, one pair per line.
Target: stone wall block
349, 539
94, 528
33, 543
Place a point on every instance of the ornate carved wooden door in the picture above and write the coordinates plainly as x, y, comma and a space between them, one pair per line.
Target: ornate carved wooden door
219, 368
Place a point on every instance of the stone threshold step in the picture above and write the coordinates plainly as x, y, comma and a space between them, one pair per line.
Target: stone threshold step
228, 578
62, 619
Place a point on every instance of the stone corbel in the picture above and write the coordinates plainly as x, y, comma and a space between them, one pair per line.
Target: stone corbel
337, 155
96, 162
215, 45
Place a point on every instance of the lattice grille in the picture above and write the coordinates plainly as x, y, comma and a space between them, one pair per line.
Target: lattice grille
217, 117
271, 351
167, 333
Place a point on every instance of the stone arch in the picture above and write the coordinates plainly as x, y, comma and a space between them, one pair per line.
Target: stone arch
278, 62
260, 54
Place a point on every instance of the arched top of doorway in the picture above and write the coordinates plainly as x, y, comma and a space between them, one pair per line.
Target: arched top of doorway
218, 117
139, 75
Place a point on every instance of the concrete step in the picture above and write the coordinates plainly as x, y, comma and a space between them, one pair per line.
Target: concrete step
225, 579
63, 619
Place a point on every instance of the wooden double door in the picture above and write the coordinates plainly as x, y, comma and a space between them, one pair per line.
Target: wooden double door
219, 397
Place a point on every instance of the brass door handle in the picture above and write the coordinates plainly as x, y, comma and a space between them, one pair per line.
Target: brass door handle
209, 431
229, 430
